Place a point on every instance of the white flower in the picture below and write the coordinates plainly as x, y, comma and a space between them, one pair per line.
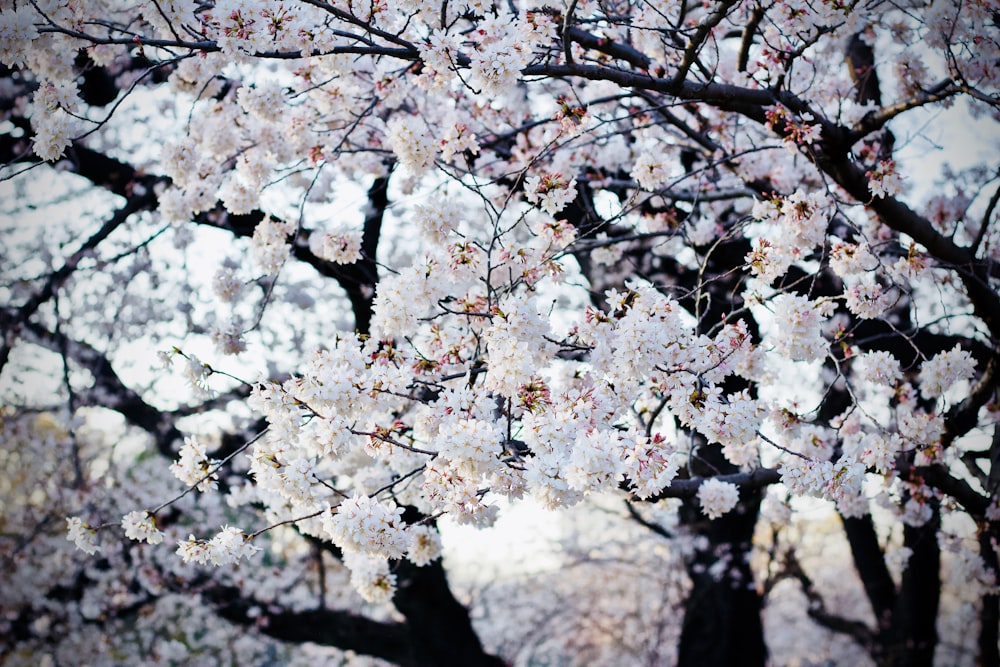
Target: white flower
193, 465
17, 31
879, 368
229, 546
237, 196
805, 477
921, 428
650, 465
166, 357
425, 546
54, 131
180, 159
141, 526
733, 423
226, 284
883, 181
851, 259
340, 248
805, 218
550, 191
943, 370
496, 66
412, 143
82, 535
266, 100
470, 445
371, 577
458, 140
649, 172
717, 497
193, 550
269, 246
868, 301
365, 525
798, 222
879, 452
768, 261
228, 337
437, 52
58, 95
197, 374
597, 461
798, 334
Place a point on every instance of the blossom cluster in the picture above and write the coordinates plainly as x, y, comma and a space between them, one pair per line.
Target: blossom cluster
943, 370
800, 322
194, 467
229, 546
141, 526
364, 525
82, 535
269, 246
792, 227
717, 497
341, 248
490, 369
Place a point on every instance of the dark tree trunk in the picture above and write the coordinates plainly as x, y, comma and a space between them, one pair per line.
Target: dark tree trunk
914, 622
722, 624
989, 616
438, 625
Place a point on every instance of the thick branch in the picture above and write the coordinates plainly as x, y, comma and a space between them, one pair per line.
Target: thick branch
876, 120
964, 416
698, 39
989, 615
103, 171
609, 47
688, 488
14, 319
833, 159
439, 627
870, 564
108, 390
344, 630
208, 46
817, 610
915, 616
939, 477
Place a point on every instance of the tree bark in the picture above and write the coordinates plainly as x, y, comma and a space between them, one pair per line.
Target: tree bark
438, 626
722, 622
914, 631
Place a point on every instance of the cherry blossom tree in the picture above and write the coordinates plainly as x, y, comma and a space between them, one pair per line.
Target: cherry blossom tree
720, 264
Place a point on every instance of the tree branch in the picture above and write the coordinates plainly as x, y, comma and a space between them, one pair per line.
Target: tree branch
108, 390
344, 630
358, 280
870, 564
642, 521
816, 606
688, 488
14, 319
105, 172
